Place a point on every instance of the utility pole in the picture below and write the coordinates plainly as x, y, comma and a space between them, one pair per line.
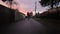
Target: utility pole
35, 6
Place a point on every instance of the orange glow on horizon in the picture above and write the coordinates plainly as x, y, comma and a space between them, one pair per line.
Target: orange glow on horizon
23, 10
20, 8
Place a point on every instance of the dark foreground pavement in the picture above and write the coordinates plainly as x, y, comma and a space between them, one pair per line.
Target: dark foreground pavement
26, 27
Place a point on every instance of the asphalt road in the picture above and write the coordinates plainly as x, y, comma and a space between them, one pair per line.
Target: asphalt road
25, 26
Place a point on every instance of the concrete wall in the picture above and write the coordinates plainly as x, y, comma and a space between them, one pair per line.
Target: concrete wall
19, 16
6, 14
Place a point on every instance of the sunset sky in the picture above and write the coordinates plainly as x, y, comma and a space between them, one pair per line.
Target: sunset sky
28, 5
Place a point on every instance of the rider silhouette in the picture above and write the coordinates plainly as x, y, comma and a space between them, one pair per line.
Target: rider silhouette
28, 15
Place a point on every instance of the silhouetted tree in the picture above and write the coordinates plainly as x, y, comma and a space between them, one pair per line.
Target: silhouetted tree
31, 14
49, 2
10, 2
6, 0
3, 0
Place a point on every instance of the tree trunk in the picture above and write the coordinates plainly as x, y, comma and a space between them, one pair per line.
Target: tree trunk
52, 3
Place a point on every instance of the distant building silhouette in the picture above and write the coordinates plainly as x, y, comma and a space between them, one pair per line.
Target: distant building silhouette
37, 15
51, 13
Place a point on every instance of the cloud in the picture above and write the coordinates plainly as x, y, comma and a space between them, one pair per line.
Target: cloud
28, 5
